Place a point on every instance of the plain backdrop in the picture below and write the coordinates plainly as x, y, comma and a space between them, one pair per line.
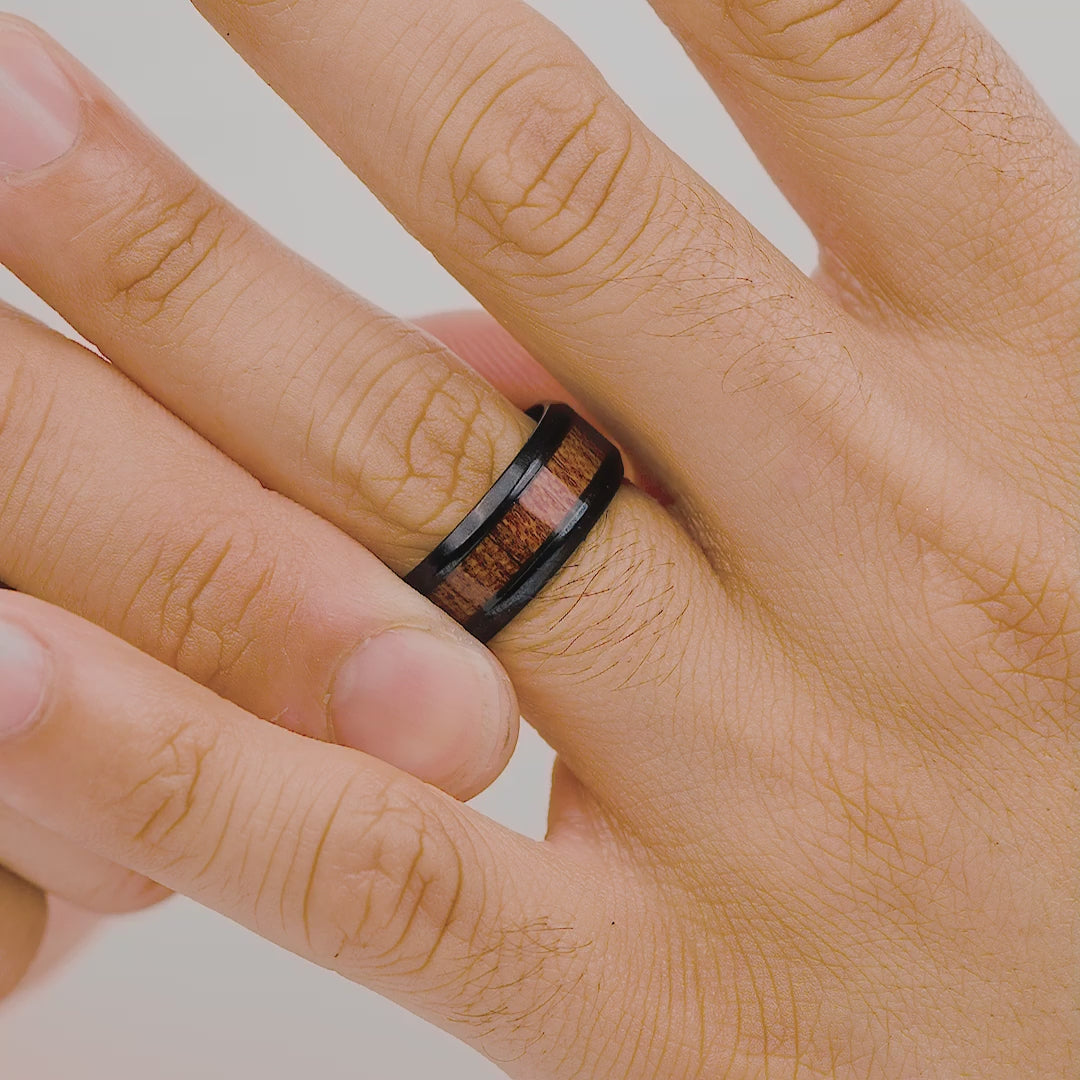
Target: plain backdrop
178, 992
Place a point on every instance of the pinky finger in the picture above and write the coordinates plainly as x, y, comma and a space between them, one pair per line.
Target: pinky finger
23, 916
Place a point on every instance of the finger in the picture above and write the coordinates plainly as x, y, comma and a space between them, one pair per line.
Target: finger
940, 187
496, 355
114, 509
68, 927
367, 421
23, 916
761, 407
61, 868
493, 353
334, 855
500, 147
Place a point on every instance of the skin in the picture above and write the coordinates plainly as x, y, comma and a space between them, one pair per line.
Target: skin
814, 808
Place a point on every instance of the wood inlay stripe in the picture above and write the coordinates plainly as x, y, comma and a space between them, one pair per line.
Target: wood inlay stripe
548, 500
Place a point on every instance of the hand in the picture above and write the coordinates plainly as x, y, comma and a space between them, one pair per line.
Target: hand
61, 890
813, 811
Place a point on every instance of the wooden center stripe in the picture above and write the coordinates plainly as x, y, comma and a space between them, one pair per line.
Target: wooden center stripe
550, 498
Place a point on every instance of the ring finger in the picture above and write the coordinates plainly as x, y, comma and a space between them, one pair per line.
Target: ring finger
728, 373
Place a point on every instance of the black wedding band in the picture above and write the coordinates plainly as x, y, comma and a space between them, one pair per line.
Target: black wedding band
521, 533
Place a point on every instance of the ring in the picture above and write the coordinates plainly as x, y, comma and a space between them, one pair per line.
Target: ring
534, 517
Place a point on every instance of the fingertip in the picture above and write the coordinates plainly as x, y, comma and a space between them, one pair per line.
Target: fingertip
438, 708
40, 104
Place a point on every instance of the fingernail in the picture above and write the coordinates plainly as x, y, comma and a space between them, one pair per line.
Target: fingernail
39, 107
23, 671
428, 705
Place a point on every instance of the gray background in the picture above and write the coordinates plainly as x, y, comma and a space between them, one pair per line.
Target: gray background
179, 992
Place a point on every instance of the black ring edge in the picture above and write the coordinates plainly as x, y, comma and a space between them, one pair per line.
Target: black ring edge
553, 554
553, 424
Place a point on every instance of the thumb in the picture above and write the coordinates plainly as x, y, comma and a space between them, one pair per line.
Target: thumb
334, 855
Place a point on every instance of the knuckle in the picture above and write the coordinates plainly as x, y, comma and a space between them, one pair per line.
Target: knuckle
799, 34
204, 601
166, 253
1015, 634
1033, 615
384, 888
389, 891
170, 790
417, 446
547, 166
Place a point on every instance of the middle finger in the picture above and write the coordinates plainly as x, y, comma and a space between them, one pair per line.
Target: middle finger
498, 144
